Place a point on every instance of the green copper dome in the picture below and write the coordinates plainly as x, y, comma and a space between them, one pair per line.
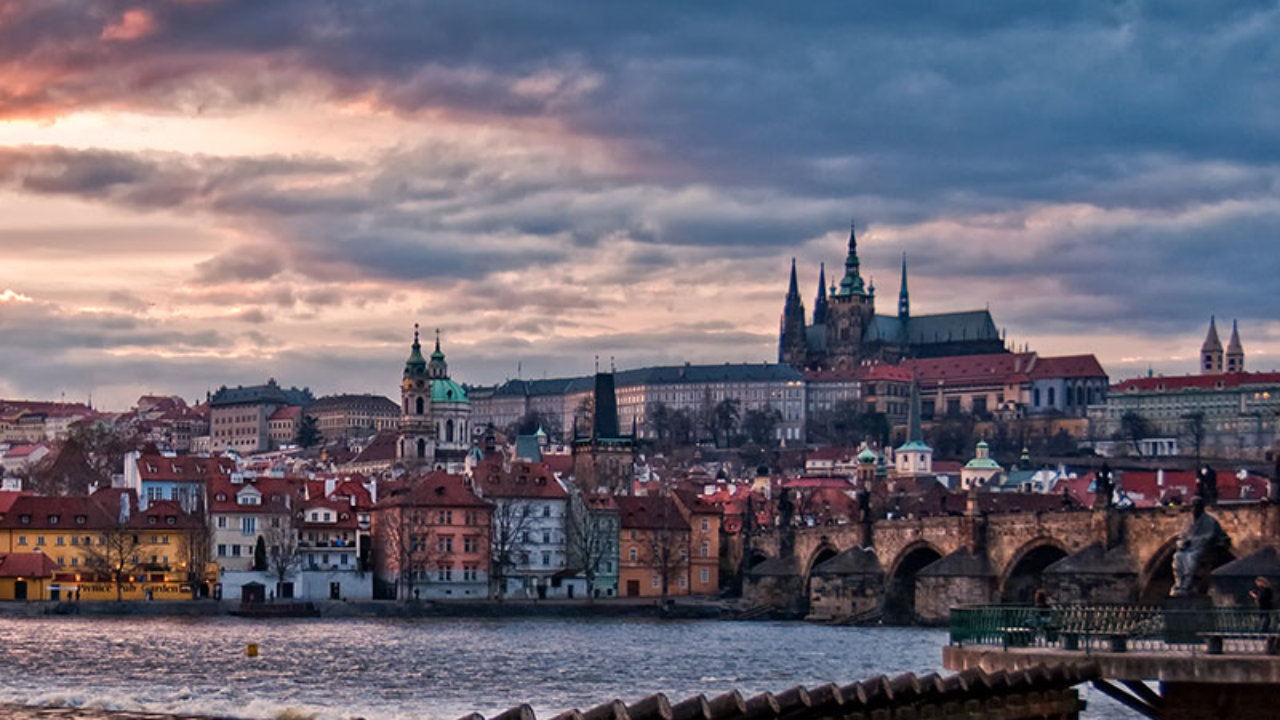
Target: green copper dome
447, 391
867, 456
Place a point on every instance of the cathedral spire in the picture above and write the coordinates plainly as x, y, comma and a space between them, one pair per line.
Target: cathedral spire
851, 283
793, 290
820, 304
904, 300
1211, 350
1235, 351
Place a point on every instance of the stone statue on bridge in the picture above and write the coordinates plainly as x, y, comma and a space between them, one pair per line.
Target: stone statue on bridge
1200, 546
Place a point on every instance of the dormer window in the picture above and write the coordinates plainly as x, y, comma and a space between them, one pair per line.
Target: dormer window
24, 519
152, 468
221, 497
177, 469
151, 520
81, 519
53, 519
171, 520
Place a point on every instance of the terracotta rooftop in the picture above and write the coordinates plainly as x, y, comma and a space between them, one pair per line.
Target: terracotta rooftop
15, 565
1196, 382
650, 512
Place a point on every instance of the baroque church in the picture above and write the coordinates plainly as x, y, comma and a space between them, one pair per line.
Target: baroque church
435, 413
846, 331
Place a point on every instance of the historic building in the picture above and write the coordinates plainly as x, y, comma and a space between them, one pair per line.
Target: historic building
348, 418
845, 329
435, 413
604, 458
240, 417
1236, 413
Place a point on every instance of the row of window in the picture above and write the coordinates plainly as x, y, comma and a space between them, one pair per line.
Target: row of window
87, 540
445, 573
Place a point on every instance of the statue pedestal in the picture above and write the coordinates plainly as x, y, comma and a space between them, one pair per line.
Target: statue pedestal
1186, 618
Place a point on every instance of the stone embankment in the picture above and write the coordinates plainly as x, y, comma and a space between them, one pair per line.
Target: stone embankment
23, 712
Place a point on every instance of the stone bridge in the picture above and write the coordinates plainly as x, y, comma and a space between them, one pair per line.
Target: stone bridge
918, 568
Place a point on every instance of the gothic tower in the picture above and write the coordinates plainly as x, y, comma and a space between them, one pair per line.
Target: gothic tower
904, 300
416, 446
1235, 351
849, 313
820, 304
1211, 351
792, 348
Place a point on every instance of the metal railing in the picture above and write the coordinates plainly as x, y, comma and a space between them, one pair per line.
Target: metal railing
1117, 628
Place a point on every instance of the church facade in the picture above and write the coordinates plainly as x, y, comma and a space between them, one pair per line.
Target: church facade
845, 330
435, 413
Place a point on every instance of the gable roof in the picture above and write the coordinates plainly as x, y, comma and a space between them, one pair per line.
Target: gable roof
650, 512
35, 565
522, 480
1196, 382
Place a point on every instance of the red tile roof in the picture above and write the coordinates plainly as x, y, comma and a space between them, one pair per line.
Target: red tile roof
650, 512
287, 412
183, 468
1067, 366
437, 489
34, 565
522, 480
1196, 382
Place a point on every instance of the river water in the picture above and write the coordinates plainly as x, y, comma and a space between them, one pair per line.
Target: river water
436, 669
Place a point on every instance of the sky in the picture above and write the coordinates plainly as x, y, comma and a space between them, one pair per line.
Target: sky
204, 192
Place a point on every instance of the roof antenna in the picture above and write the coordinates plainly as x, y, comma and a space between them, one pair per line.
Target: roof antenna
597, 363
612, 369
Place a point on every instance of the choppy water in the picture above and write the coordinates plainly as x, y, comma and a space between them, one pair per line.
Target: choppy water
434, 668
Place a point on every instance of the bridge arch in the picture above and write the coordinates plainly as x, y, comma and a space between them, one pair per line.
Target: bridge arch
1022, 576
1156, 578
824, 552
900, 582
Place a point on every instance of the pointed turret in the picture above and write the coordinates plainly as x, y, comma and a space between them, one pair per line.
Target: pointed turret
904, 300
416, 365
1211, 351
820, 304
437, 369
851, 283
915, 457
1235, 351
792, 347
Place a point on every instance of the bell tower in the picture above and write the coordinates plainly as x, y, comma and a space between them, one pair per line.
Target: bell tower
1211, 351
416, 446
850, 311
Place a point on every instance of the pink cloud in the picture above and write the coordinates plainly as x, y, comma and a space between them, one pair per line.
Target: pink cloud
135, 23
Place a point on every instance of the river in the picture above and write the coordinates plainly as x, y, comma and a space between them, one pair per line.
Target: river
436, 669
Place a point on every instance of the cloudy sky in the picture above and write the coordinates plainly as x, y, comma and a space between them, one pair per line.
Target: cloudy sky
205, 192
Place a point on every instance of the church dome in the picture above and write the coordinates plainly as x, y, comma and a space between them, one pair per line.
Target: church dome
445, 390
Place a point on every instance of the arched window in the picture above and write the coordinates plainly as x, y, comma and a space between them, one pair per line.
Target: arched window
1035, 397
448, 431
1051, 402
421, 405
422, 448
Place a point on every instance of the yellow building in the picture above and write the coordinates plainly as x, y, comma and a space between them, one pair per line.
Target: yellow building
86, 540
653, 547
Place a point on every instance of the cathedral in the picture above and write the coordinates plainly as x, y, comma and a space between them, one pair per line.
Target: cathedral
846, 331
435, 413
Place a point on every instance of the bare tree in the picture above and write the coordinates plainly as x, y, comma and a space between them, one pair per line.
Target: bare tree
198, 547
407, 538
115, 555
591, 539
668, 545
283, 548
510, 523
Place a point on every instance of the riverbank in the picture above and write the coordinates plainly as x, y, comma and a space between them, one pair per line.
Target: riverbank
27, 712
682, 608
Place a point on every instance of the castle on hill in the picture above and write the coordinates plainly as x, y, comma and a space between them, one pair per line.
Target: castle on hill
846, 331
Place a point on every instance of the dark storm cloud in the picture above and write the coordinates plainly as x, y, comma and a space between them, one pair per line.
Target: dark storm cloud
748, 130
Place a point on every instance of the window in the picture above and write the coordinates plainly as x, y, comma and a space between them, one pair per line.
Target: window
444, 574
39, 539
684, 581
248, 525
222, 522
445, 544
632, 555
1051, 398
705, 576
656, 581
546, 537
22, 539
471, 544
235, 551
469, 573
546, 559
222, 550
705, 549
546, 511
706, 524
445, 517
